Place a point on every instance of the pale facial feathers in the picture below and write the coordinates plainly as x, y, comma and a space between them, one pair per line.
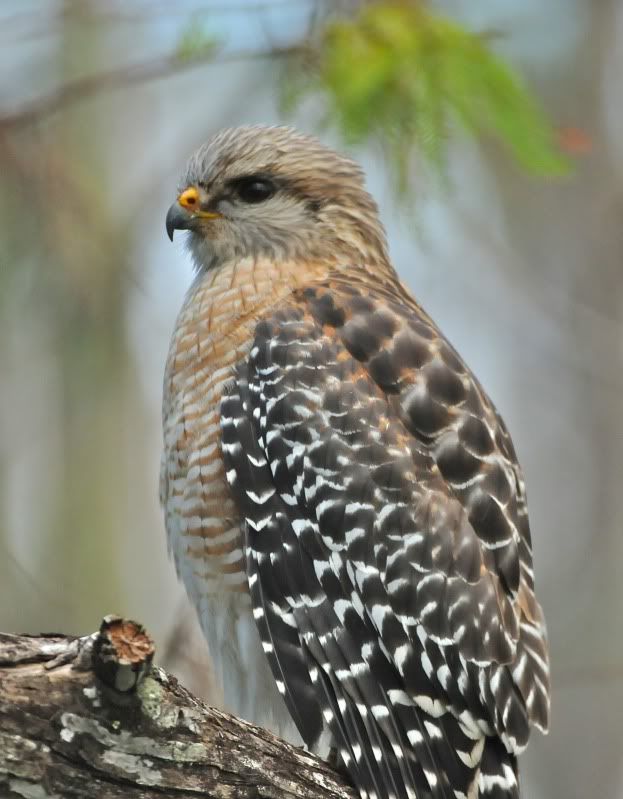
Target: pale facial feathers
311, 203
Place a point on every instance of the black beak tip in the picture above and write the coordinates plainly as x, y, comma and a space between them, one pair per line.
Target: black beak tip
171, 220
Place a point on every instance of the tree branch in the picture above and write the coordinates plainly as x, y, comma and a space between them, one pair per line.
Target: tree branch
83, 717
124, 77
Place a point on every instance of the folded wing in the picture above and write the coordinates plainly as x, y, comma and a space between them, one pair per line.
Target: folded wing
387, 545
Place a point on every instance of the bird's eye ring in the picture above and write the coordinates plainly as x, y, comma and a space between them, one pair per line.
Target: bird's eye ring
254, 189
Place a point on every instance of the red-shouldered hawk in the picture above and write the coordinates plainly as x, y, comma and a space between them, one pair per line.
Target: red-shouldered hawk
343, 501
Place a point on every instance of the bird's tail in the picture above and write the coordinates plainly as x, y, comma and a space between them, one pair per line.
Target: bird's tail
498, 777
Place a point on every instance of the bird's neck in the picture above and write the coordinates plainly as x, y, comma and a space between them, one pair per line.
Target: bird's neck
242, 285
224, 304
229, 300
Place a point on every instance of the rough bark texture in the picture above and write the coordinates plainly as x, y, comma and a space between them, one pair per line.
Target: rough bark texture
88, 717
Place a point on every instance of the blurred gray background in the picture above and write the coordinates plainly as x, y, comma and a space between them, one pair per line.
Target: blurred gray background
524, 275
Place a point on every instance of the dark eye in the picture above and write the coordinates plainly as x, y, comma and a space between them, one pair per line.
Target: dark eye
254, 189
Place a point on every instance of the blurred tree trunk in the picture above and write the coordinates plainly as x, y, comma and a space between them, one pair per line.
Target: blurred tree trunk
88, 334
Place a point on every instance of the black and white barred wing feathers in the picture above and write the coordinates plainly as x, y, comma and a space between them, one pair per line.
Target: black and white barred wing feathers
387, 545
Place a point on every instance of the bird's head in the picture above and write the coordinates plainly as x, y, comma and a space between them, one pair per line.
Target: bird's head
271, 192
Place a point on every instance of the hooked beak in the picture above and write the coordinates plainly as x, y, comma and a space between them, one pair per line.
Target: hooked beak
178, 218
189, 208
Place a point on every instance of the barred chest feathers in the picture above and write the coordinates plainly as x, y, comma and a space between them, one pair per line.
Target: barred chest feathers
213, 333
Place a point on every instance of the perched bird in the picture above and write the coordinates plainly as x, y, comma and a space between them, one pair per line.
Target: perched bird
343, 501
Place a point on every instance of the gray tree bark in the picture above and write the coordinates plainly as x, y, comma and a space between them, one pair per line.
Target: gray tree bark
85, 717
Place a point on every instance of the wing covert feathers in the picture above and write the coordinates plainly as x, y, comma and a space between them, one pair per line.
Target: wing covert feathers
387, 545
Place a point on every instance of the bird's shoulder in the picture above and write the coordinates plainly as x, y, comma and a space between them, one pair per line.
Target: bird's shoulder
369, 347
388, 455
382, 327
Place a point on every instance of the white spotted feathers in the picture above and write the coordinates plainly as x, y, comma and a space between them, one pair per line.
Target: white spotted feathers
401, 552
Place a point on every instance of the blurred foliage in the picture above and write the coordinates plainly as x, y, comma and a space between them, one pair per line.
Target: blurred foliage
196, 40
398, 74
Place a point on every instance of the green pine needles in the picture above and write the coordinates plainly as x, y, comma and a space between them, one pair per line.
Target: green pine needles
405, 77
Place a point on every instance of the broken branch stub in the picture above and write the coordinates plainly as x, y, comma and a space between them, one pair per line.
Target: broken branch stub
122, 654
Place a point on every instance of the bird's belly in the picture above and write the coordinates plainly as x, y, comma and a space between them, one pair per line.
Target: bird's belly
249, 688
202, 520
206, 543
